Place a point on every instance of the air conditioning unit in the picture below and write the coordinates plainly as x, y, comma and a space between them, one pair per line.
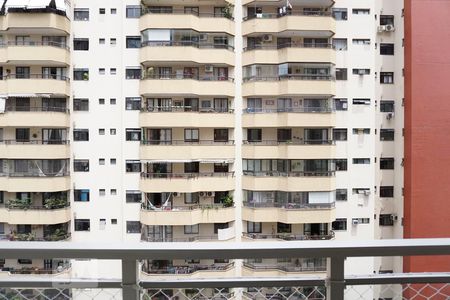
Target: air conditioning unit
355, 221
175, 194
267, 38
381, 28
361, 72
209, 68
366, 192
210, 194
389, 115
203, 37
393, 217
390, 27
202, 194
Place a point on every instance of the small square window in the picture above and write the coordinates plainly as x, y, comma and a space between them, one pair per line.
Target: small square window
114, 221
101, 101
112, 161
113, 11
101, 41
102, 11
101, 131
101, 71
112, 101
112, 131
102, 192
101, 161
113, 71
113, 192
112, 41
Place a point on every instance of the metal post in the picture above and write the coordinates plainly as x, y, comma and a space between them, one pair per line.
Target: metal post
336, 279
130, 287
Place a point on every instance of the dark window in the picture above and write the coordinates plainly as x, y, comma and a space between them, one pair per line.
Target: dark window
133, 196
81, 14
191, 229
218, 226
386, 20
24, 261
341, 73
387, 77
340, 14
80, 104
191, 135
386, 49
254, 227
340, 134
23, 134
341, 104
81, 44
191, 167
81, 134
81, 165
386, 163
361, 161
132, 166
361, 101
341, 164
133, 227
101, 11
133, 103
23, 229
361, 41
284, 135
81, 74
361, 71
133, 73
82, 225
133, 134
81, 195
386, 220
340, 44
133, 41
133, 11
387, 134
361, 130
386, 191
339, 224
254, 135
387, 106
284, 228
220, 168
221, 135
360, 11
341, 194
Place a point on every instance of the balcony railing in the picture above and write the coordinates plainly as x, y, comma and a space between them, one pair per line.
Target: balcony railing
291, 142
186, 76
289, 205
186, 44
290, 174
35, 142
38, 271
286, 267
35, 44
192, 143
61, 236
35, 173
288, 13
185, 175
35, 76
185, 12
187, 269
289, 237
23, 206
182, 208
186, 109
195, 238
289, 77
37, 109
253, 110
288, 45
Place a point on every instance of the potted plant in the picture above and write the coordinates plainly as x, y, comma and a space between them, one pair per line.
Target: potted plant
53, 203
19, 203
228, 11
227, 201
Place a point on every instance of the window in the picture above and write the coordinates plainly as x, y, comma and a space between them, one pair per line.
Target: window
133, 73
361, 220
101, 71
101, 41
340, 134
133, 11
284, 228
113, 11
254, 135
81, 44
81, 195
341, 194
113, 221
340, 104
102, 192
361, 161
101, 131
133, 196
218, 226
191, 167
133, 134
112, 101
361, 130
361, 101
112, 41
387, 191
340, 44
220, 134
387, 106
112, 161
82, 225
25, 261
133, 103
133, 166
81, 74
113, 192
112, 131
341, 73
81, 14
101, 101
386, 20
102, 224
387, 77
386, 163
191, 135
339, 224
101, 11
360, 11
361, 41
387, 134
101, 161
81, 165
340, 14
386, 220
23, 134
386, 49
361, 71
133, 227
341, 164
254, 227
80, 104
191, 229
112, 71
191, 198
133, 41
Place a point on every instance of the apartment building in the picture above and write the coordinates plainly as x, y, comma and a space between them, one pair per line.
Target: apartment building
193, 121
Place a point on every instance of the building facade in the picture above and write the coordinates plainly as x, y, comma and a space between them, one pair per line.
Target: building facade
218, 120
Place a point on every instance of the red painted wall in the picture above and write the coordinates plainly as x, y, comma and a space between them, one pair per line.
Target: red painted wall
427, 125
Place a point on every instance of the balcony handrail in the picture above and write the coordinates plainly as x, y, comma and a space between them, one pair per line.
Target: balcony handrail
187, 76
289, 205
199, 45
47, 238
288, 13
182, 208
290, 142
289, 174
35, 76
185, 175
35, 173
289, 237
253, 110
286, 267
149, 10
183, 142
320, 77
35, 44
185, 109
289, 45
10, 108
35, 142
34, 207
189, 239
188, 269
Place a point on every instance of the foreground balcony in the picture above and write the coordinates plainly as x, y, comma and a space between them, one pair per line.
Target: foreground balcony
190, 271
35, 84
35, 149
304, 149
186, 182
49, 22
35, 117
35, 53
291, 117
184, 117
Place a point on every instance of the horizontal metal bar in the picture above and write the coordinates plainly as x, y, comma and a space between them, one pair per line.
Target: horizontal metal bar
60, 283
398, 278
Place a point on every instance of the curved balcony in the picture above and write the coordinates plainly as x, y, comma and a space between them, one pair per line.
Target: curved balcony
289, 213
288, 52
50, 22
290, 84
184, 117
282, 269
319, 23
180, 84
35, 215
289, 181
288, 237
186, 182
292, 117
34, 149
35, 117
179, 149
35, 84
190, 271
35, 182
179, 19
187, 215
182, 51
301, 149
31, 53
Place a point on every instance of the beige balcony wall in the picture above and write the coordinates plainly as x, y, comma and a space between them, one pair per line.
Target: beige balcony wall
191, 54
304, 23
34, 119
207, 184
187, 217
35, 86
289, 151
43, 21
284, 55
35, 184
288, 184
35, 54
30, 151
186, 87
289, 120
288, 87
185, 119
34, 217
185, 151
288, 216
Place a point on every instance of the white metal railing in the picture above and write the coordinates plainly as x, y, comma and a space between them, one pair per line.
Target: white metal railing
336, 252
